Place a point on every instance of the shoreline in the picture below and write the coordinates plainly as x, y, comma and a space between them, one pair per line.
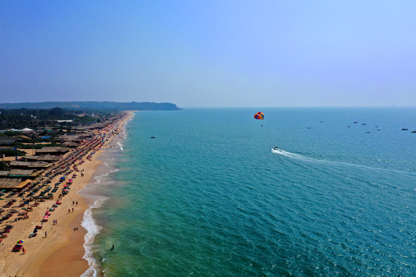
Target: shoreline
61, 252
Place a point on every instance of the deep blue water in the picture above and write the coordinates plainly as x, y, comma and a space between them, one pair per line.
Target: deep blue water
209, 197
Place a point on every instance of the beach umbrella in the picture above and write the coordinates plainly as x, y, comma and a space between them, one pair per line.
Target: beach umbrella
20, 241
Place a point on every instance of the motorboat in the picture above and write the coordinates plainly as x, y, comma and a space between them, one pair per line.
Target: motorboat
404, 129
275, 148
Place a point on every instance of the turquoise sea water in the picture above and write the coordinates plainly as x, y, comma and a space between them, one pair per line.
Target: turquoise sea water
209, 197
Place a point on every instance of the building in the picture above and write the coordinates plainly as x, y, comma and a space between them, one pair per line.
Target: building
52, 151
29, 165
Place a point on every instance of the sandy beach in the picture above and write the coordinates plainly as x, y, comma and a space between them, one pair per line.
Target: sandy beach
58, 249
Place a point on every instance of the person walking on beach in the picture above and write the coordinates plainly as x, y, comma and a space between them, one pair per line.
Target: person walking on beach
76, 204
24, 250
46, 234
72, 209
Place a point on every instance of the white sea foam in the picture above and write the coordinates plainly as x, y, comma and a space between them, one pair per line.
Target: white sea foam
98, 178
88, 221
92, 230
121, 146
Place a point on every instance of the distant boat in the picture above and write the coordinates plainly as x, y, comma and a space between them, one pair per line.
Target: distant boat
355, 122
404, 129
367, 132
364, 124
275, 148
413, 132
308, 128
349, 126
378, 129
152, 137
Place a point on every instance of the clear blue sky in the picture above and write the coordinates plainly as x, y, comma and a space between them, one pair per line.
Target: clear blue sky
210, 53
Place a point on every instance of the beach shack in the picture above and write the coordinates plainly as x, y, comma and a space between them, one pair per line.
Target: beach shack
13, 183
29, 165
4, 174
24, 173
52, 151
45, 158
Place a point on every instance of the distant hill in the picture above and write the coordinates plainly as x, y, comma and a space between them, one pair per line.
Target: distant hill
93, 105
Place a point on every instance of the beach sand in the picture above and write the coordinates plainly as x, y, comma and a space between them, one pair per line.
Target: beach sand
61, 252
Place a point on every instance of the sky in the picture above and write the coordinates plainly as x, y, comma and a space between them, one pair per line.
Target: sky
215, 53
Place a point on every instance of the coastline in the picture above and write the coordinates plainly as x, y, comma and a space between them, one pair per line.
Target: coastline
61, 252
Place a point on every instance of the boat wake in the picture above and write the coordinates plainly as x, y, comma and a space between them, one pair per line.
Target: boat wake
307, 159
291, 155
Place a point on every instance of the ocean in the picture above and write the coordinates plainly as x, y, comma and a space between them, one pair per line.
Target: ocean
208, 196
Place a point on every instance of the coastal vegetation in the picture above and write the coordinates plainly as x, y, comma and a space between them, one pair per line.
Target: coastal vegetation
33, 118
105, 105
3, 166
11, 152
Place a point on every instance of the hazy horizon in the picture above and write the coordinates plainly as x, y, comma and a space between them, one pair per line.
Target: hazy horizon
210, 54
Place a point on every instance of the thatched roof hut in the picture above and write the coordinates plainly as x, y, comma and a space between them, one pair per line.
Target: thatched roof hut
20, 173
46, 158
52, 151
29, 165
10, 183
4, 173
70, 144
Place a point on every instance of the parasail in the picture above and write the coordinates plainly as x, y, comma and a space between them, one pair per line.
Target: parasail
259, 116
